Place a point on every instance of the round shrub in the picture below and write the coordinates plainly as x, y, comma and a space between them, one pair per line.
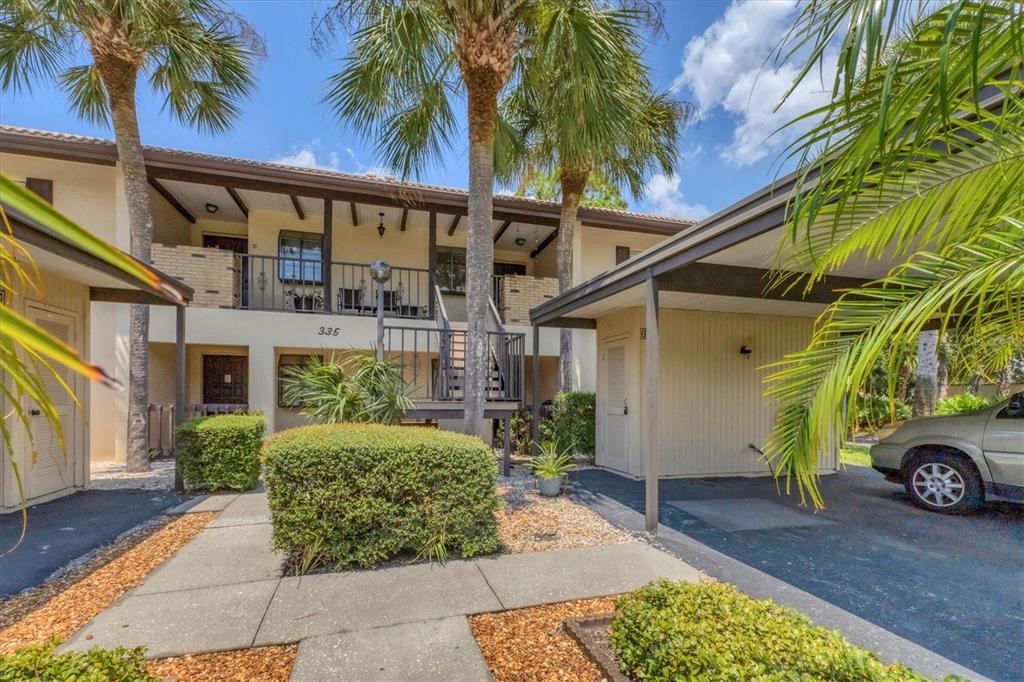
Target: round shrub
42, 664
355, 495
222, 452
710, 631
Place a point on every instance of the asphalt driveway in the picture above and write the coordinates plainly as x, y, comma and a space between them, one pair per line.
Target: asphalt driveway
953, 585
68, 527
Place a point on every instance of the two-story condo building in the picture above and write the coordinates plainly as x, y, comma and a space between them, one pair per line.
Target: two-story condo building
278, 258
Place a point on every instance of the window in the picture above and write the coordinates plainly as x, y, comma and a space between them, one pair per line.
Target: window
301, 257
509, 268
451, 269
284, 362
1014, 409
624, 253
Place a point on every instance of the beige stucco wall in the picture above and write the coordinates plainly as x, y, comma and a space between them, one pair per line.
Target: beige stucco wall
712, 405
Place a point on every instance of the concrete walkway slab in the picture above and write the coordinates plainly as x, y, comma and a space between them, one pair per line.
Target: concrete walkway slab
432, 650
247, 508
521, 580
203, 503
218, 556
177, 623
336, 602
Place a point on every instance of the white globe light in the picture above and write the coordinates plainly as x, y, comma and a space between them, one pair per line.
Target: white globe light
380, 271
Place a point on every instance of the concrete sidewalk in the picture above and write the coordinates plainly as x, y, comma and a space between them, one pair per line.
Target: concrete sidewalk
224, 590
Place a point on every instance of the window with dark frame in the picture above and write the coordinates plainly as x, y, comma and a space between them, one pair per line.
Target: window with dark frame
283, 363
451, 269
300, 257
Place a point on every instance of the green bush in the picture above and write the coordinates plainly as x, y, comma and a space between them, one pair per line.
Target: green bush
356, 495
222, 452
42, 664
965, 402
572, 422
522, 439
873, 411
710, 631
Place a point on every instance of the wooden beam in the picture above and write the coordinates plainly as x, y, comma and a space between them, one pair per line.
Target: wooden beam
733, 280
432, 261
405, 217
571, 323
454, 224
544, 244
652, 400
134, 296
326, 254
238, 201
297, 206
179, 384
169, 198
355, 214
501, 230
535, 390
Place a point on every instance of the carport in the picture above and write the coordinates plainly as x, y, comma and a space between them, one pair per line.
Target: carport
684, 331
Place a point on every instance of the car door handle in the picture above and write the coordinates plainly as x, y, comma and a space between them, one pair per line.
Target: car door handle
625, 407
34, 413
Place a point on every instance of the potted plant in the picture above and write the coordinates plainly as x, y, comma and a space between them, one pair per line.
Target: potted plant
550, 467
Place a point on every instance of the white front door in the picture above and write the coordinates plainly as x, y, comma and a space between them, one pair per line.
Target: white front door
51, 468
615, 406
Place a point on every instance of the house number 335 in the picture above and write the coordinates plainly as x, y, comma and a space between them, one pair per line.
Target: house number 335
329, 331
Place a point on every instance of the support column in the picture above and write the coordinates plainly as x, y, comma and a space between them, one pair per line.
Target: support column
326, 254
652, 400
179, 388
506, 460
263, 381
432, 259
535, 402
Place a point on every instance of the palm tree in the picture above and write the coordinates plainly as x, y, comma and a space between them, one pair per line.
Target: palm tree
919, 160
584, 114
197, 53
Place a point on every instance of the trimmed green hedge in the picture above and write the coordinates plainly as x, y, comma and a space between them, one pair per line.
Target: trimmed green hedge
964, 402
42, 664
356, 495
710, 631
572, 422
222, 452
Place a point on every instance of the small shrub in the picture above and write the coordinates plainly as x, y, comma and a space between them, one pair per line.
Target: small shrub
873, 410
965, 402
356, 495
222, 452
360, 388
573, 422
42, 664
710, 631
522, 439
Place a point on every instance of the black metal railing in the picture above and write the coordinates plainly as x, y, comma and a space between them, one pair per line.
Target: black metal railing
161, 421
299, 285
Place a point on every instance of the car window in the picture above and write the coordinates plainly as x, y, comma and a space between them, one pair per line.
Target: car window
1014, 409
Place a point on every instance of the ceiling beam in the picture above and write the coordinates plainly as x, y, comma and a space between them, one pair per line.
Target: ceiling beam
238, 201
355, 215
175, 204
544, 244
297, 206
454, 224
732, 280
405, 217
501, 230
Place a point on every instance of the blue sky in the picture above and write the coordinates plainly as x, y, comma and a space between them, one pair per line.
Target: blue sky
713, 55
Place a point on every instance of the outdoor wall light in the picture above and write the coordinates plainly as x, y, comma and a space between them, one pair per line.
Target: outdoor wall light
211, 208
745, 351
380, 271
520, 241
380, 229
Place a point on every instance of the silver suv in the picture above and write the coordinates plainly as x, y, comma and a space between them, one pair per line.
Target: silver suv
953, 463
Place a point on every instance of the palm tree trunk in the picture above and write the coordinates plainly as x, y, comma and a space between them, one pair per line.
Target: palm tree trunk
482, 95
120, 81
927, 369
573, 184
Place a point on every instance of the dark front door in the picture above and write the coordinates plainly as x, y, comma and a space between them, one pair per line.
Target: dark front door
226, 379
239, 245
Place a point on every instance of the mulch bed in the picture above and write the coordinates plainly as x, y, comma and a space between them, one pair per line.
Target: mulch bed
531, 644
266, 664
529, 522
61, 606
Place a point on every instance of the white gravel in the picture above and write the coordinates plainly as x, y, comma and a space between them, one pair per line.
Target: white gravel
112, 476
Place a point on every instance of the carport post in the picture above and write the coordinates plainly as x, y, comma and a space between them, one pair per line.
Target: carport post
535, 401
652, 396
179, 388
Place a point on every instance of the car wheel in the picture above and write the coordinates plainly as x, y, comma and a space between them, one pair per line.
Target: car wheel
940, 482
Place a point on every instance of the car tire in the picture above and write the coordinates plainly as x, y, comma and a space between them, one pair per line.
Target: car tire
942, 482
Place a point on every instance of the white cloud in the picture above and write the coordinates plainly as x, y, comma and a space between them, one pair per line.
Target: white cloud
307, 158
663, 196
727, 66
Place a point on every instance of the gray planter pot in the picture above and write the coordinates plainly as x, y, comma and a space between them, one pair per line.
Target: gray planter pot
549, 487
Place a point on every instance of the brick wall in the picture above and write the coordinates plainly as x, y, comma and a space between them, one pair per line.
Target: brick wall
212, 273
520, 293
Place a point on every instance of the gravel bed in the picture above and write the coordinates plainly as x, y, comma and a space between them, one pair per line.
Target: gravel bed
266, 664
529, 522
61, 606
112, 476
531, 644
